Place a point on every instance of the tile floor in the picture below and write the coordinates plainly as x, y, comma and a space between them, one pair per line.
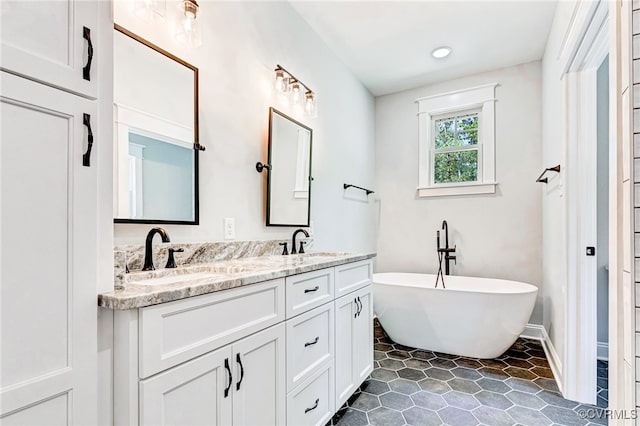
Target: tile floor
417, 387
603, 384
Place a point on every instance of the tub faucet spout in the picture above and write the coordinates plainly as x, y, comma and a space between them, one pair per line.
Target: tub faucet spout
446, 250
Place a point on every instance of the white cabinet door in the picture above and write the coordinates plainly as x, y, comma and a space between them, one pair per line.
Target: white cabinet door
363, 336
45, 41
259, 388
354, 342
345, 310
48, 260
198, 392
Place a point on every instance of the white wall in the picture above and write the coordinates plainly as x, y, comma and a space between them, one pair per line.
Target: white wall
243, 42
497, 235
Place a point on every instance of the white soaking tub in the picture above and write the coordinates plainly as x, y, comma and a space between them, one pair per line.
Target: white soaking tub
472, 317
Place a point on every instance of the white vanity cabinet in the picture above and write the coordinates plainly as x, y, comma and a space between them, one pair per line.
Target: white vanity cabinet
53, 42
270, 353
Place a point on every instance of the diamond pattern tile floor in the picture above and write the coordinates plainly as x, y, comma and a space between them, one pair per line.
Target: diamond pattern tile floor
411, 386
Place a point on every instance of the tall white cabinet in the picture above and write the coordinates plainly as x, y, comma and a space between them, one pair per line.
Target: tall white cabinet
48, 225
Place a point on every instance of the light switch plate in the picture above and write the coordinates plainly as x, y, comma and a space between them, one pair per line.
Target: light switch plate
229, 228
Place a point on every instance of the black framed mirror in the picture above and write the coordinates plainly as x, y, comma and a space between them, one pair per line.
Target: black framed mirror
156, 142
289, 177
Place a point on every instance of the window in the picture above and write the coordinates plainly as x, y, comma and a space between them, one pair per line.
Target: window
457, 143
456, 149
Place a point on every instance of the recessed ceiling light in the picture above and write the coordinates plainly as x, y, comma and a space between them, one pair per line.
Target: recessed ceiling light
441, 52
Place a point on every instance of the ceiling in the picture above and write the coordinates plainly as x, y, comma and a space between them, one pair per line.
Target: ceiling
388, 44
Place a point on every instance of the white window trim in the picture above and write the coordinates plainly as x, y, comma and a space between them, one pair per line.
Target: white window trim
482, 98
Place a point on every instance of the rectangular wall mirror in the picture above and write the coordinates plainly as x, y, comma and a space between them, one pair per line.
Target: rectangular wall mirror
289, 182
156, 133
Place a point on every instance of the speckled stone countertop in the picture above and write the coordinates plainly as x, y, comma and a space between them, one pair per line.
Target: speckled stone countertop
142, 289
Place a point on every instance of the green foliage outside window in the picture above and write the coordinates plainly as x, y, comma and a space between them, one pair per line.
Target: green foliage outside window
452, 165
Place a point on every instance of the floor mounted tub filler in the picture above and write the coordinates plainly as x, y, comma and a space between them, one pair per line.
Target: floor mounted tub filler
472, 317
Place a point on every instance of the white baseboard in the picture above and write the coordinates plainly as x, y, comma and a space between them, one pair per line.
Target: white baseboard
538, 332
603, 351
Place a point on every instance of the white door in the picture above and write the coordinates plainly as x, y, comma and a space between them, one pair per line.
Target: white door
363, 336
198, 392
48, 258
51, 41
345, 311
259, 388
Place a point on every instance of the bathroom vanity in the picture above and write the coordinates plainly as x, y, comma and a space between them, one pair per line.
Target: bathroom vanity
264, 340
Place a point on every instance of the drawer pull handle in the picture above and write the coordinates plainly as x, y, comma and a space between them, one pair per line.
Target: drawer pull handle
86, 70
312, 343
306, 410
355, 300
311, 290
239, 361
86, 157
360, 308
226, 366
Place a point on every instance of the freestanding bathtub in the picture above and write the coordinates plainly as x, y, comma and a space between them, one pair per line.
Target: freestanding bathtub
473, 317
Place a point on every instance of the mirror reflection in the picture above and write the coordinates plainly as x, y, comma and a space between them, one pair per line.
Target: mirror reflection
155, 109
288, 188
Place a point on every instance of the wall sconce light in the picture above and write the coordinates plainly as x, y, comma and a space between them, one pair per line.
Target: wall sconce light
188, 29
299, 94
150, 10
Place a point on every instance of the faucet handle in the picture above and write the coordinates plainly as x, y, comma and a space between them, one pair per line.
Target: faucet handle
302, 243
285, 251
171, 261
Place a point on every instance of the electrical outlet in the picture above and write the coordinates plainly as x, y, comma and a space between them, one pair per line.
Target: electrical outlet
310, 230
229, 228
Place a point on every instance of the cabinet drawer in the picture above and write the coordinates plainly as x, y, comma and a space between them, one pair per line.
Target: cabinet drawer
171, 333
309, 343
353, 276
306, 291
312, 402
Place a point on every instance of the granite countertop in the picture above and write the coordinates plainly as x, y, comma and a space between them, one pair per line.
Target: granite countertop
166, 285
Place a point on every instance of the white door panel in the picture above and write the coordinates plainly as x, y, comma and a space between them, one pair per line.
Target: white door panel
44, 41
48, 259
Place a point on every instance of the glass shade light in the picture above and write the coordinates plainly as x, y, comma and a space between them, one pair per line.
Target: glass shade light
188, 29
280, 82
150, 10
295, 97
310, 104
300, 98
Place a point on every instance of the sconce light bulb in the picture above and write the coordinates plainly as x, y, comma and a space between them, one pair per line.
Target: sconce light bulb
310, 107
280, 84
189, 31
295, 93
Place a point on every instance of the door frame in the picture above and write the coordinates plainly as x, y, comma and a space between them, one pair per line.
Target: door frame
586, 49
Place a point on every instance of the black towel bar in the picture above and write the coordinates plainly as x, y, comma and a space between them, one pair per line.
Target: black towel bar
548, 169
348, 185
